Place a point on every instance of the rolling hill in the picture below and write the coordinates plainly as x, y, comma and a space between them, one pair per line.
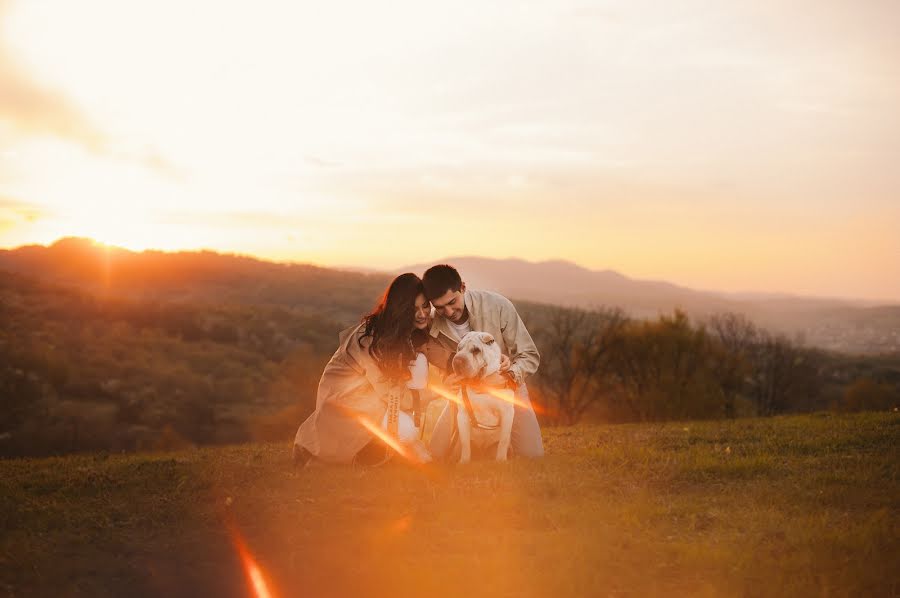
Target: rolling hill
840, 325
343, 295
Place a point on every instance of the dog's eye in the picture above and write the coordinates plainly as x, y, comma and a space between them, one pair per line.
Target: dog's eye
476, 350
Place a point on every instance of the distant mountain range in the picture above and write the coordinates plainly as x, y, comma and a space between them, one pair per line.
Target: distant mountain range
343, 295
829, 323
564, 283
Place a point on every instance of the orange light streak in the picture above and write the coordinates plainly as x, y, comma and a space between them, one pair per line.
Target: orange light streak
389, 440
256, 578
401, 525
501, 393
510, 397
254, 574
446, 393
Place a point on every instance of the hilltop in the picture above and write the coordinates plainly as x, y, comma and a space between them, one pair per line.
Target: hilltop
786, 506
197, 277
343, 294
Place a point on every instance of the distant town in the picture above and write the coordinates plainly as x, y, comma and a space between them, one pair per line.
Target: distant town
864, 339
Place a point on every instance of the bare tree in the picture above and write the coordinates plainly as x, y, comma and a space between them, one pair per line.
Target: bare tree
575, 371
737, 336
776, 371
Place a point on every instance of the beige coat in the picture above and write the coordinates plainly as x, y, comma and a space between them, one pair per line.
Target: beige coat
494, 313
351, 386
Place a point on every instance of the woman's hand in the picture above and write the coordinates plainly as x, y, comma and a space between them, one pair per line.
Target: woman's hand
505, 363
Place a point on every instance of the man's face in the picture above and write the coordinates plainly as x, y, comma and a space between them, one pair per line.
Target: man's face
452, 305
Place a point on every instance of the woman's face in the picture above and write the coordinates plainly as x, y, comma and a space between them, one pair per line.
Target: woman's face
423, 313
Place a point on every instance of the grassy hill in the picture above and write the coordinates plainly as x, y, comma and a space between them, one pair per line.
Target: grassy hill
144, 366
107, 349
341, 295
198, 277
785, 506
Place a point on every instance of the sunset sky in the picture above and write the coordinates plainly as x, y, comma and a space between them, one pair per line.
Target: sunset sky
737, 146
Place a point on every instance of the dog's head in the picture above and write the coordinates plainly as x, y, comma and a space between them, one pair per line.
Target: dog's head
477, 356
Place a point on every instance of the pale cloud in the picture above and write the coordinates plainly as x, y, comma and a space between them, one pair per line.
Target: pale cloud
29, 107
18, 217
32, 109
21, 210
654, 137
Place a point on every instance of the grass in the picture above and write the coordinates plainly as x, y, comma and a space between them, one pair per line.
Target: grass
788, 506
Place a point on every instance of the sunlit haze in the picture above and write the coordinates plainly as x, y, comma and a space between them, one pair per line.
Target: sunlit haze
737, 146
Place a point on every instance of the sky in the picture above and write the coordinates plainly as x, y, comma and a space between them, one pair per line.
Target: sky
722, 145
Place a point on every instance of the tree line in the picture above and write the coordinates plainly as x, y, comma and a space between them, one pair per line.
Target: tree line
85, 369
606, 365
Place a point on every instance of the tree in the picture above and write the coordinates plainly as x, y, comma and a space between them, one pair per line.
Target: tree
665, 369
866, 394
736, 336
576, 369
779, 368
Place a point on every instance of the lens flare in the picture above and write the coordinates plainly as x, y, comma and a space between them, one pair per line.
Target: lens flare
401, 525
446, 393
254, 574
386, 438
509, 396
503, 394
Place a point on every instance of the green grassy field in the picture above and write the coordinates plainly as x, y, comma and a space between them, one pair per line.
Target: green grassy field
789, 506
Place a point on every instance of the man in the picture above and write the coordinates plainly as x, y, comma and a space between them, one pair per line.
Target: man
459, 310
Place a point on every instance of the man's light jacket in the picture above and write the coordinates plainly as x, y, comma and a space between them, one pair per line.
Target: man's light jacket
494, 313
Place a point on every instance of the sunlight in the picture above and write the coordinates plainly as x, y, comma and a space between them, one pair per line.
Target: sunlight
389, 440
341, 137
446, 393
509, 396
126, 230
401, 525
254, 574
503, 394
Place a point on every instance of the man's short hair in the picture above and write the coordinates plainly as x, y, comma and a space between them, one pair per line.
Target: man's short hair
440, 279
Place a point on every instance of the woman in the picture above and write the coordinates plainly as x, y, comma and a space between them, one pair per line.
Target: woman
370, 372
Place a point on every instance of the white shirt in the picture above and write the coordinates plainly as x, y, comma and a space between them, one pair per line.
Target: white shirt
460, 329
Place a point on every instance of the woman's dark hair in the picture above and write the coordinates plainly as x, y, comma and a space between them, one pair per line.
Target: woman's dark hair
391, 325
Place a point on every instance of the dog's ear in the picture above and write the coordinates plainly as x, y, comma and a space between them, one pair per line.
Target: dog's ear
487, 338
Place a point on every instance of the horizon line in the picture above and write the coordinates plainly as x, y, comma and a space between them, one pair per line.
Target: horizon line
761, 295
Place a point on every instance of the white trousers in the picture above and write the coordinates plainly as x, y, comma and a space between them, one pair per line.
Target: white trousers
406, 427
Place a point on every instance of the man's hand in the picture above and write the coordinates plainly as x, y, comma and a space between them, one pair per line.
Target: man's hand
505, 363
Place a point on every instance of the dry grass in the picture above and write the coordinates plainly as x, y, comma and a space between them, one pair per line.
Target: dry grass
793, 506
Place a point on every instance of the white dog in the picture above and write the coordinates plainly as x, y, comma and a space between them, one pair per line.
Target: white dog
478, 356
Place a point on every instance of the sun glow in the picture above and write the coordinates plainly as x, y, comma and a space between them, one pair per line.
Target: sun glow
509, 396
389, 440
503, 394
316, 138
446, 393
121, 229
255, 577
